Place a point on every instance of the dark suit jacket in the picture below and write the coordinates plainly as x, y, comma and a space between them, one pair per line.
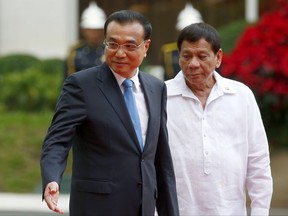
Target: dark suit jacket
111, 176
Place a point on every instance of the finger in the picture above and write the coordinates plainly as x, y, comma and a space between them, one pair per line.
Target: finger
52, 204
58, 210
55, 208
51, 198
49, 201
54, 201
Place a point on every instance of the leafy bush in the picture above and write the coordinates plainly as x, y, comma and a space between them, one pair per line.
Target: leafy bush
16, 63
52, 66
28, 84
260, 60
230, 34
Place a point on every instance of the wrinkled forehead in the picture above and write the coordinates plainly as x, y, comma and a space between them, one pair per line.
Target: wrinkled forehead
128, 30
201, 44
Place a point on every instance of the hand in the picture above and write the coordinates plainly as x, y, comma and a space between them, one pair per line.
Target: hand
51, 195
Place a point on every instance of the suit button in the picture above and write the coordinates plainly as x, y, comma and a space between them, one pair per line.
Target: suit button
139, 184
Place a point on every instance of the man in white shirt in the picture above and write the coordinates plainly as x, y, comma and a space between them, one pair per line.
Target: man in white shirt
217, 138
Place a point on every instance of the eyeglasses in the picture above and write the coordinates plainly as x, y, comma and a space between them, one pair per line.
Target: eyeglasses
129, 47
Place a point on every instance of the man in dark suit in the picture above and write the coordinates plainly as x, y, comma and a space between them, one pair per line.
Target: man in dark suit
113, 173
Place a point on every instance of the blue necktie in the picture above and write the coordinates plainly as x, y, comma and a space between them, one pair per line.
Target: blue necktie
131, 105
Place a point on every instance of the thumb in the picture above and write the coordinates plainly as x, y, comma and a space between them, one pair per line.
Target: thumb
53, 187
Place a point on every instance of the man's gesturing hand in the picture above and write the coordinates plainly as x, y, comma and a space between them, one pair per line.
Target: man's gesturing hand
51, 195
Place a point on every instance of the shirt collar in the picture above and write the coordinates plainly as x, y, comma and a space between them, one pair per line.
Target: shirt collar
223, 85
179, 87
121, 79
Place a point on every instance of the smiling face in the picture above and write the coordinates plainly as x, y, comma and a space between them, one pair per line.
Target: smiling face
198, 61
124, 62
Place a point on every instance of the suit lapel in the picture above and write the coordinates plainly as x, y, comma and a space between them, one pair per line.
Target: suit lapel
110, 88
148, 91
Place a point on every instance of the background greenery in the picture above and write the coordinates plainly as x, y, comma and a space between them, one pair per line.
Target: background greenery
29, 90
29, 84
21, 135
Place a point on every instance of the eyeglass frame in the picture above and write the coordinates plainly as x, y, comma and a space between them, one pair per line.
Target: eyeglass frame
135, 47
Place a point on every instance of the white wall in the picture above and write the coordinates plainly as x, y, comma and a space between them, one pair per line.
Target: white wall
44, 28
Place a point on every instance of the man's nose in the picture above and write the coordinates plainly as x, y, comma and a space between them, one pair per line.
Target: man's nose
120, 51
194, 62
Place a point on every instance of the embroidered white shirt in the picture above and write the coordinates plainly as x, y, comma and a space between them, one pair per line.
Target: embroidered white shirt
218, 152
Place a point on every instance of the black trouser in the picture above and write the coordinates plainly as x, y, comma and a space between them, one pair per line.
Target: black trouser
140, 210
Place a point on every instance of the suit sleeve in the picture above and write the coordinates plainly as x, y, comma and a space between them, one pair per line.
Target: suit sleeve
70, 112
166, 203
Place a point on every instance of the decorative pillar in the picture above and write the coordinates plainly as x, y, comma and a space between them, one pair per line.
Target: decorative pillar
251, 10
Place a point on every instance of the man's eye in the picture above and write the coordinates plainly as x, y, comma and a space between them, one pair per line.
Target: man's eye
186, 57
113, 45
130, 46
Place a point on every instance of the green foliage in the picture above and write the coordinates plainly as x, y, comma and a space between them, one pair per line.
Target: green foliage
29, 84
52, 66
230, 34
21, 137
275, 118
16, 63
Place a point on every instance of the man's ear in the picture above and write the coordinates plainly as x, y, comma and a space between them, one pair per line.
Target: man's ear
219, 56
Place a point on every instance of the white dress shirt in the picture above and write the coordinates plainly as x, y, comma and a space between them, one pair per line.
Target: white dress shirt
218, 152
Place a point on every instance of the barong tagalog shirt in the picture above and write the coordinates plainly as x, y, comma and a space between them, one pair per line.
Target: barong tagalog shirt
218, 152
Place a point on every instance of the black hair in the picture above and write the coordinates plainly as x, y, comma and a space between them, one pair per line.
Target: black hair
197, 31
126, 16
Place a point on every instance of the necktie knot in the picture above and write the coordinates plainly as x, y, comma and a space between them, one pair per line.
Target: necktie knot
128, 83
